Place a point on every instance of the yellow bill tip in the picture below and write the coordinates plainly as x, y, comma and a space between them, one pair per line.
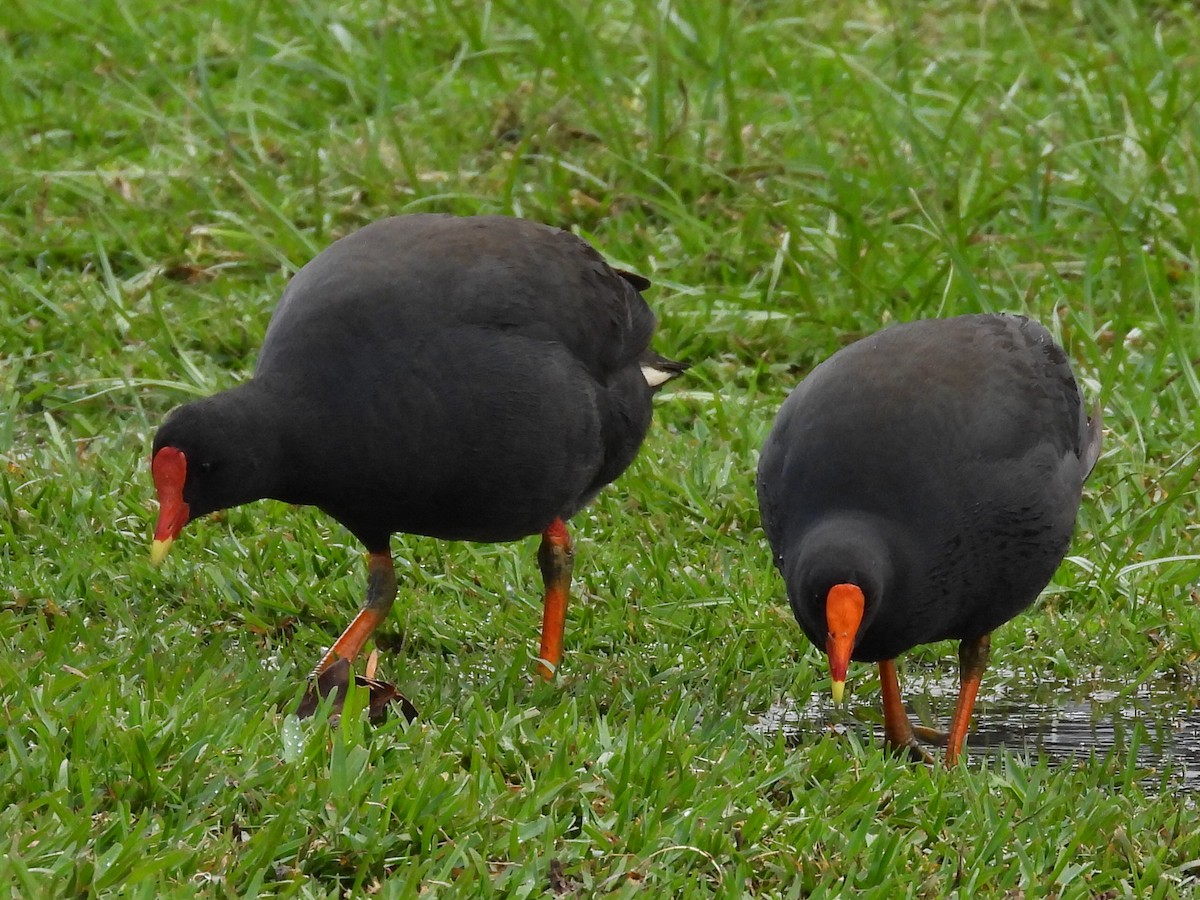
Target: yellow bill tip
839, 689
158, 551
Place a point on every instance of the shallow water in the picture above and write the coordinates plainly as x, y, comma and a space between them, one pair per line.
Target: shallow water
1158, 721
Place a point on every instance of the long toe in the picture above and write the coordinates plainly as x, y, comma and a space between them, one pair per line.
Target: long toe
931, 735
912, 749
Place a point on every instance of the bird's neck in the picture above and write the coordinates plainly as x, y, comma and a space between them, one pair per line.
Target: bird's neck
301, 436
250, 417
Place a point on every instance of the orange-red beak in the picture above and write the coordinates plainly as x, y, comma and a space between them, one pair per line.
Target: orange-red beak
843, 615
169, 468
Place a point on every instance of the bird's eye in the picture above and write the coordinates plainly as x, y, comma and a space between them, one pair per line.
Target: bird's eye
205, 467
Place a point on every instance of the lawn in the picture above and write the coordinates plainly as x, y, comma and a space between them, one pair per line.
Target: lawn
791, 177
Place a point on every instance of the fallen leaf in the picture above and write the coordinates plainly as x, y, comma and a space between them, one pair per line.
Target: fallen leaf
334, 681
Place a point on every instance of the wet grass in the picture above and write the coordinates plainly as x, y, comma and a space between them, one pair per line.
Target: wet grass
790, 180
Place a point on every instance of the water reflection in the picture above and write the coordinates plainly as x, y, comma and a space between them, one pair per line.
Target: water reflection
1159, 722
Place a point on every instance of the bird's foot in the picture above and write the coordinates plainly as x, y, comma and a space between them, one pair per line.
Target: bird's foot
336, 678
912, 749
931, 735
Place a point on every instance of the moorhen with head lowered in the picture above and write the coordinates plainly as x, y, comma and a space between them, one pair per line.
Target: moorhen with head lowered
922, 484
466, 378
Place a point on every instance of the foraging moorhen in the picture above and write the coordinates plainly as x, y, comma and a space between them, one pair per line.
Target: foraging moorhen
466, 378
922, 484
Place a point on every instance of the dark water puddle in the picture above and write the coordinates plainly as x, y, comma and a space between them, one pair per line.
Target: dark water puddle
1156, 725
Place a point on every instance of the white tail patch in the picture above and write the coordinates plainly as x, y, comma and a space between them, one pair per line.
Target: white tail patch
654, 377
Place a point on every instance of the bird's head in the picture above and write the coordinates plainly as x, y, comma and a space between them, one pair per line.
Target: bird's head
205, 458
837, 579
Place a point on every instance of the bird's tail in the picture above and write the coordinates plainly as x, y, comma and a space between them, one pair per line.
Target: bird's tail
658, 370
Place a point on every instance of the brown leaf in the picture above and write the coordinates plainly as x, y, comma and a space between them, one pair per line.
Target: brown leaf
334, 681
560, 882
188, 272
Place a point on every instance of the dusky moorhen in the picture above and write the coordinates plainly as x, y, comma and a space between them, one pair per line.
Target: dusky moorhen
922, 484
466, 378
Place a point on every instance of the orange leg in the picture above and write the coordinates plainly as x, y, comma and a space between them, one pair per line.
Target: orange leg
381, 593
556, 559
897, 730
972, 660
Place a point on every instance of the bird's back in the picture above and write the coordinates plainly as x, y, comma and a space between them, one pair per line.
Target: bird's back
468, 378
399, 278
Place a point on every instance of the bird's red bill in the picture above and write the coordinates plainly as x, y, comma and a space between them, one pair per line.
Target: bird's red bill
169, 468
843, 614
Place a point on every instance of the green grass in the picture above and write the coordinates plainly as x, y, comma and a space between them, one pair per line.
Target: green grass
791, 176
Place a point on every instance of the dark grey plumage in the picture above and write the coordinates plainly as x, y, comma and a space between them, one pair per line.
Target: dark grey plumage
464, 378
939, 466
